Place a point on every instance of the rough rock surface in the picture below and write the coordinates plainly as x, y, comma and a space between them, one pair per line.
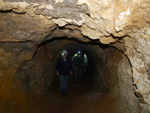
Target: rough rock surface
126, 88
99, 19
137, 51
11, 57
112, 59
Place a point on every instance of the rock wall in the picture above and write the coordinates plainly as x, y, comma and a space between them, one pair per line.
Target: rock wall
36, 75
128, 103
11, 57
106, 70
137, 50
112, 59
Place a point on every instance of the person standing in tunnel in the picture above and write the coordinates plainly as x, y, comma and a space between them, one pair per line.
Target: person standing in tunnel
64, 69
78, 65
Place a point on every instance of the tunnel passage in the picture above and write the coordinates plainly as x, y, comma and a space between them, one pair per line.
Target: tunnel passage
37, 76
34, 77
112, 73
93, 61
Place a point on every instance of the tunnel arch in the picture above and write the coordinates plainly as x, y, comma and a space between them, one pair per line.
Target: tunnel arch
94, 60
104, 82
47, 56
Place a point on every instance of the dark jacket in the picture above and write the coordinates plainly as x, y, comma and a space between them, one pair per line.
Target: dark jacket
78, 62
64, 67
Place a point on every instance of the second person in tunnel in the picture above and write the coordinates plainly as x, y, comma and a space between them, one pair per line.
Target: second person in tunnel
78, 65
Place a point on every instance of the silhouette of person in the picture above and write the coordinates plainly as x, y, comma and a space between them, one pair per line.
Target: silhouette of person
64, 69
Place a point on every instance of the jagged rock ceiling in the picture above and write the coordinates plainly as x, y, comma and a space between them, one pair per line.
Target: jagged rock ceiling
106, 20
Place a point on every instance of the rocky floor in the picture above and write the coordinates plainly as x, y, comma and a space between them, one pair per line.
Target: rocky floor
79, 99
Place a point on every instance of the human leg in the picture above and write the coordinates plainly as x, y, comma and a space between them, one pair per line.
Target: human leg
80, 75
75, 77
62, 84
66, 83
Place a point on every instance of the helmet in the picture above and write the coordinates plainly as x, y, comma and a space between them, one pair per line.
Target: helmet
79, 52
64, 52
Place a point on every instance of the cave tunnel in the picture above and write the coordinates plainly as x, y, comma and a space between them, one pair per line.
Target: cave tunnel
37, 77
51, 51
114, 35
37, 86
93, 59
